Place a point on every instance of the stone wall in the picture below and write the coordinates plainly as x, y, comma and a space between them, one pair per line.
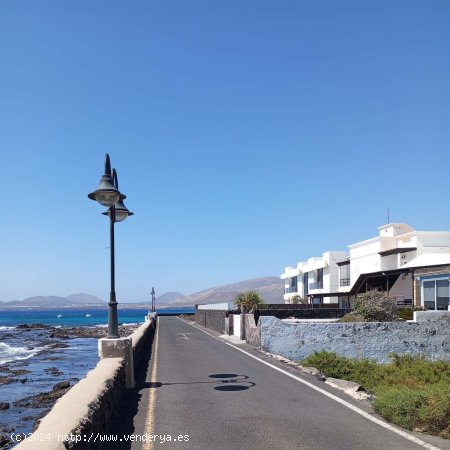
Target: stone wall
427, 316
302, 313
213, 319
356, 340
426, 271
229, 325
91, 405
299, 306
252, 333
86, 408
141, 342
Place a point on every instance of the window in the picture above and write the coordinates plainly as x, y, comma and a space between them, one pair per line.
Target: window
305, 283
320, 278
436, 294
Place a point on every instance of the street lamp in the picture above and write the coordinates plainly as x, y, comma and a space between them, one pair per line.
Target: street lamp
108, 195
153, 299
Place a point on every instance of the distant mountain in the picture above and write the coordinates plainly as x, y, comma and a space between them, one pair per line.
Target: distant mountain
85, 299
168, 297
72, 301
270, 288
163, 299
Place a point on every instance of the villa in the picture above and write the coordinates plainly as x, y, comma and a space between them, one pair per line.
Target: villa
412, 266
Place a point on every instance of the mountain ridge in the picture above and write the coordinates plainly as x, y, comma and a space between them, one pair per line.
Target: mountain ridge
53, 301
271, 289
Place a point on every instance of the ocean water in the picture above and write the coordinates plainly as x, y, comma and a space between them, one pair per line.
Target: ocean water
46, 360
78, 317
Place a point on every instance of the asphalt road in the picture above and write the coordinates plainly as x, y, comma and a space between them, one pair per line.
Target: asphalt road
209, 395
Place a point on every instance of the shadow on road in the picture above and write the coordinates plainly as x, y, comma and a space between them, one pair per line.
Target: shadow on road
228, 388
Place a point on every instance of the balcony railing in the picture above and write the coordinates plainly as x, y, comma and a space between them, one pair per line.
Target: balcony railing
344, 282
315, 285
290, 289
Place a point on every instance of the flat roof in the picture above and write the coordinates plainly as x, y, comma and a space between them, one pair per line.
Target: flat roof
394, 251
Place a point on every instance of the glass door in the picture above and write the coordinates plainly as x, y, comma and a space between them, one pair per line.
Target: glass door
436, 294
442, 294
429, 294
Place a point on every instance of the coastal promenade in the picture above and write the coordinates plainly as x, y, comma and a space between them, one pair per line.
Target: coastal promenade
202, 392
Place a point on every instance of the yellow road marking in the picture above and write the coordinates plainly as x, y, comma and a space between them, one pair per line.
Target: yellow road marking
150, 417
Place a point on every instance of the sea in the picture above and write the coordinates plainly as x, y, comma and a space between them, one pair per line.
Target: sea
79, 317
35, 360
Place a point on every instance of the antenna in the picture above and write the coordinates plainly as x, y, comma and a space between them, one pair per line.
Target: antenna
388, 216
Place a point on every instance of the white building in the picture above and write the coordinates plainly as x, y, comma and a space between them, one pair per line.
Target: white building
412, 266
314, 278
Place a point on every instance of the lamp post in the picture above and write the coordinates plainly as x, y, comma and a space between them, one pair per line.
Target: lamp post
153, 300
108, 195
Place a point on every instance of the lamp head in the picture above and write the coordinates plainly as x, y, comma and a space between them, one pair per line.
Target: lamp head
121, 211
106, 194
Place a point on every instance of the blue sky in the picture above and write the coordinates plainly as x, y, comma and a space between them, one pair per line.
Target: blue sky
247, 135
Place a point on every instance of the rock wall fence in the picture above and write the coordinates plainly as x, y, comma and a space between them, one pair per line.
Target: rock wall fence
301, 312
375, 340
252, 331
89, 407
214, 319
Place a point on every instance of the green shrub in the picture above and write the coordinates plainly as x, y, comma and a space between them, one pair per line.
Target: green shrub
330, 364
424, 409
249, 300
352, 317
410, 391
376, 306
362, 371
400, 405
405, 313
297, 300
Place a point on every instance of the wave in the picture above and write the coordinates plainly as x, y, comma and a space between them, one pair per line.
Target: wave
8, 353
125, 324
7, 328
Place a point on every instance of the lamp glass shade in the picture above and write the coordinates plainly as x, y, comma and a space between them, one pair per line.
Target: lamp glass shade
121, 210
121, 214
106, 194
106, 198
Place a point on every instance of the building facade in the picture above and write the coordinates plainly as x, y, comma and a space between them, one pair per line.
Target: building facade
412, 266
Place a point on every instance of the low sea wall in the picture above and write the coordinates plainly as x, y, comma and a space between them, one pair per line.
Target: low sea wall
87, 409
140, 340
374, 340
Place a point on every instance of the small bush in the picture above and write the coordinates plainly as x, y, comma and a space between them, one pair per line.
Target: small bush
297, 300
410, 391
376, 306
425, 409
352, 317
249, 300
400, 405
405, 313
419, 308
330, 364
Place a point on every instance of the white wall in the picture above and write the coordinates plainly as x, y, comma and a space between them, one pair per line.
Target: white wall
402, 287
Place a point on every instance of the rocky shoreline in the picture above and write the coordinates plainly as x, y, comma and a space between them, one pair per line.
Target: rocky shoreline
31, 386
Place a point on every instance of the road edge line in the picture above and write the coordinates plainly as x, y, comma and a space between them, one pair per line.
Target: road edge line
151, 406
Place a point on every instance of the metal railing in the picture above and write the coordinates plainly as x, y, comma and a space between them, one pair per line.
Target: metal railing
344, 282
316, 285
290, 289
403, 300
